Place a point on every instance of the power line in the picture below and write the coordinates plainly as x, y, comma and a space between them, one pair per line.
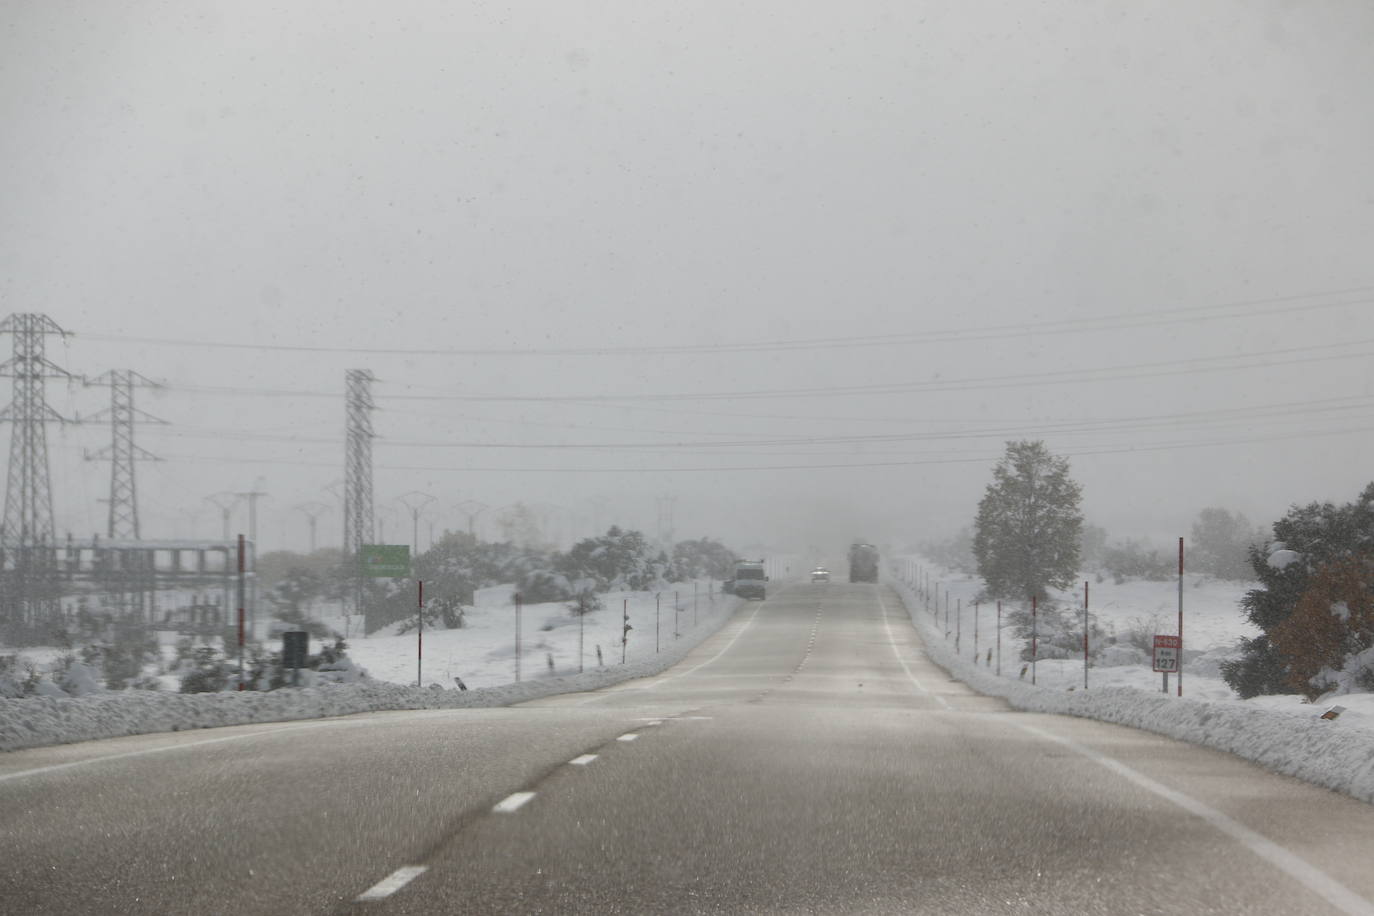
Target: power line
1199, 365
1117, 321
1107, 450
1301, 409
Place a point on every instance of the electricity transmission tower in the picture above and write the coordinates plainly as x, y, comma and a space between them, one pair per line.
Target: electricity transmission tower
251, 497
471, 509
358, 515
313, 510
122, 452
665, 521
225, 503
415, 501
27, 536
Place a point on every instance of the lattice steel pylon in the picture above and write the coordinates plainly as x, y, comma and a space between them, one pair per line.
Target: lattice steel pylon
358, 512
122, 452
666, 505
27, 536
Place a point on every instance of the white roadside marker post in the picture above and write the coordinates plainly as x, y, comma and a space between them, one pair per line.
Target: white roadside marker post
519, 599
1085, 635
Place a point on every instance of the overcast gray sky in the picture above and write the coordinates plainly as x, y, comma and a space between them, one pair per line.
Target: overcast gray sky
1140, 231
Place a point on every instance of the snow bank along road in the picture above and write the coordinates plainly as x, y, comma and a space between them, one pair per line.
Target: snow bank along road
806, 758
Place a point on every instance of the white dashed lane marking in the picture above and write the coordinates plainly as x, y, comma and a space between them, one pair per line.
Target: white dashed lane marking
583, 760
392, 883
513, 802
628, 737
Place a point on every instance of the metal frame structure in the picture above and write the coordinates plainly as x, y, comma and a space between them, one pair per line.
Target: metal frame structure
358, 512
27, 536
122, 453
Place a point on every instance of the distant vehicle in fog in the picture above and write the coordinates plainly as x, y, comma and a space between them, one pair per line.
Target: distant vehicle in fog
820, 574
863, 563
749, 579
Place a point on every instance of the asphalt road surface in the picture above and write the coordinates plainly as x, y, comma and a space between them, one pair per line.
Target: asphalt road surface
807, 758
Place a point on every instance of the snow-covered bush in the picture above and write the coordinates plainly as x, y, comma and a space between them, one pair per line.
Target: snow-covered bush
542, 585
209, 672
446, 613
1059, 632
1328, 637
1131, 559
18, 677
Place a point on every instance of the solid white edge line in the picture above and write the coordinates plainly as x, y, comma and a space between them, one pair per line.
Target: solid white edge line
1314, 879
725, 648
610, 693
52, 768
897, 652
512, 803
582, 760
628, 736
392, 883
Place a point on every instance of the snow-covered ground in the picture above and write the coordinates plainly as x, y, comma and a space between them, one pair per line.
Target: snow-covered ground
1281, 733
482, 654
1213, 624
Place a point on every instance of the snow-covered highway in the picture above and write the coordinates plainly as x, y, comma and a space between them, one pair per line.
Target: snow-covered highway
806, 758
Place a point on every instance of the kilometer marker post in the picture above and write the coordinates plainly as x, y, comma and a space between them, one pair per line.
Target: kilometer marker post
1180, 617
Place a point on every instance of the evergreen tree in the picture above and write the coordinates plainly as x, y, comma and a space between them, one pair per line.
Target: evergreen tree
1027, 534
1220, 544
702, 557
1305, 539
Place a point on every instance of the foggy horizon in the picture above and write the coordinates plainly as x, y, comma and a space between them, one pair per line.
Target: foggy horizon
804, 267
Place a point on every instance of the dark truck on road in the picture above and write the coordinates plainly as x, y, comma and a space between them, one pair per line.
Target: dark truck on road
863, 563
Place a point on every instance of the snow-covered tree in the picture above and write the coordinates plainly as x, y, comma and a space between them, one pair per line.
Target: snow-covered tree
1304, 540
1026, 536
619, 559
1331, 628
702, 557
1220, 544
1092, 545
520, 525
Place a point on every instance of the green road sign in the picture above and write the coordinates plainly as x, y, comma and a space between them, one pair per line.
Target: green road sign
385, 561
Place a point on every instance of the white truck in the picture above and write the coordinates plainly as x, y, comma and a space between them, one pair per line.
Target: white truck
749, 580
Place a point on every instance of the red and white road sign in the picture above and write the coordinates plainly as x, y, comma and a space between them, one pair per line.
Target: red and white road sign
1167, 649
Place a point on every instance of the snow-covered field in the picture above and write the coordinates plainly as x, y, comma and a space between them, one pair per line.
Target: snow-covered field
1283, 734
482, 654
1213, 623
